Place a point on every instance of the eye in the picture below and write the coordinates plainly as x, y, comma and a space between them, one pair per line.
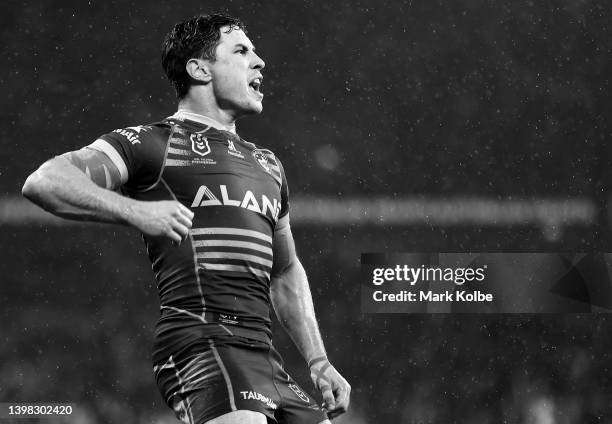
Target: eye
242, 51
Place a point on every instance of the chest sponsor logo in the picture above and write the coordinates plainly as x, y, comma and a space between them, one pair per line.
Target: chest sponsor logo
262, 204
299, 392
251, 395
199, 144
231, 149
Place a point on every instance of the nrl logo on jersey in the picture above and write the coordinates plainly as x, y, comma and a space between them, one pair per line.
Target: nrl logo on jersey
199, 144
231, 149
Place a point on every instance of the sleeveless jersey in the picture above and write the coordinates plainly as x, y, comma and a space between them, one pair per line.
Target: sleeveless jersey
219, 279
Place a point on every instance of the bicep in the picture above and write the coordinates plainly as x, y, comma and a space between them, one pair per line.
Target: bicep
98, 166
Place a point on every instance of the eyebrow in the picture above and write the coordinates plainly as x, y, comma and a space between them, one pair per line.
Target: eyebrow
245, 46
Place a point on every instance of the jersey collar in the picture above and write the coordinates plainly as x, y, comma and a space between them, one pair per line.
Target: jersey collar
183, 115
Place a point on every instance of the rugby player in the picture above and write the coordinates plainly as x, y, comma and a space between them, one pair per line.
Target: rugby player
214, 213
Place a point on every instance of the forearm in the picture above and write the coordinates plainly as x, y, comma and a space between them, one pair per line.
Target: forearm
294, 308
64, 190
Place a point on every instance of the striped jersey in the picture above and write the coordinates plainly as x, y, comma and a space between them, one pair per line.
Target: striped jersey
219, 279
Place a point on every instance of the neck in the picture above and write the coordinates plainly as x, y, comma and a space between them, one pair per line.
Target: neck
203, 105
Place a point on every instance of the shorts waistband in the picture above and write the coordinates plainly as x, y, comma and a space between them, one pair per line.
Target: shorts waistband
248, 333
217, 324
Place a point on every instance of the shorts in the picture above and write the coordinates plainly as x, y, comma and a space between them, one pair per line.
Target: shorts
222, 374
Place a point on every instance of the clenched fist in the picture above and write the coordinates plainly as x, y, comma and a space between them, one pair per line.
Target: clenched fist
335, 389
166, 218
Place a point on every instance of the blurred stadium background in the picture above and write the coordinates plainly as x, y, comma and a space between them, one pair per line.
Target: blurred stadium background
403, 126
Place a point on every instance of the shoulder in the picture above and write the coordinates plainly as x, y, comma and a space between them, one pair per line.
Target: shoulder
137, 134
261, 152
137, 151
268, 161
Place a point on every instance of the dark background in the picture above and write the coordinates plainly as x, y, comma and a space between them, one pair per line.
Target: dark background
388, 99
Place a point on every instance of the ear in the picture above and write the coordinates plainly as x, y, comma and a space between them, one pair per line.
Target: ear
199, 70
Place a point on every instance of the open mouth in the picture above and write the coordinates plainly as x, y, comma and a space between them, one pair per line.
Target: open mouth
256, 84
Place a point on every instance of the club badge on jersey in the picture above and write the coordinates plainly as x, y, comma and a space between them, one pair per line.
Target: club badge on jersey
266, 159
262, 159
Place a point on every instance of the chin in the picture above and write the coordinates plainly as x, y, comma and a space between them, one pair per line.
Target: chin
253, 109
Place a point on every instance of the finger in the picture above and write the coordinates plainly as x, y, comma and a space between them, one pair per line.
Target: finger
186, 211
175, 237
348, 398
181, 210
342, 398
328, 398
184, 220
181, 229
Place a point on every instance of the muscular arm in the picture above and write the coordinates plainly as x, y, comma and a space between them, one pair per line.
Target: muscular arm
78, 185
292, 299
294, 308
71, 186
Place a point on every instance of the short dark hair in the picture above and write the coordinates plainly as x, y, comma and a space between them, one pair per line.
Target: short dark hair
194, 37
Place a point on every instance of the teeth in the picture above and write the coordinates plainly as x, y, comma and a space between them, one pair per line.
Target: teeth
255, 84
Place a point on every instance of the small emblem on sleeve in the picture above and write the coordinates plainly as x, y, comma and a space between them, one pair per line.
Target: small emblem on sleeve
199, 144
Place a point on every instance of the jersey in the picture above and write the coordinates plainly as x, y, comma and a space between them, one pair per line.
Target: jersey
218, 281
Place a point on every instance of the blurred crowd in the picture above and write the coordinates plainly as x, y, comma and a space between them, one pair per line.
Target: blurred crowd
391, 98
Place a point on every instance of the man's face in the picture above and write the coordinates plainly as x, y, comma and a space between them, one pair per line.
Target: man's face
236, 74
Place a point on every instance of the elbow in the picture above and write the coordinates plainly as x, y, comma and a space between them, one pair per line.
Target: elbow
35, 187
280, 270
32, 186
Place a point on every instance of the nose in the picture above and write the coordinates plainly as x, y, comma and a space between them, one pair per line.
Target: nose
258, 63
